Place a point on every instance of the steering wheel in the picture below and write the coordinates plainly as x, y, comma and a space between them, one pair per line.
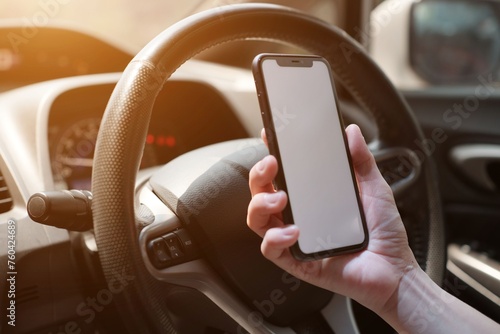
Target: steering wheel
197, 203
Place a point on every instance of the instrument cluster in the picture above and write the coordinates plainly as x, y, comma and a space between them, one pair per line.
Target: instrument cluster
186, 115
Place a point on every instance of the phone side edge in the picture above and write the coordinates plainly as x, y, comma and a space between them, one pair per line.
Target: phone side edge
267, 119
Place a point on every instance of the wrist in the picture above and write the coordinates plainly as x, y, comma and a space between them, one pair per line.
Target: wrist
399, 310
421, 306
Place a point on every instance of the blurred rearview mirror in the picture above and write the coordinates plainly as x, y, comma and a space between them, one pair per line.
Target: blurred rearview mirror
455, 41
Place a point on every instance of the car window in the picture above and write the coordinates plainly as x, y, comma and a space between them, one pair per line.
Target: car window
133, 23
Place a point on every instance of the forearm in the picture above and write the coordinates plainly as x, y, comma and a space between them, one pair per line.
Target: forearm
421, 306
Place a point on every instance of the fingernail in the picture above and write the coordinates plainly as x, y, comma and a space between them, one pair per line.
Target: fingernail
290, 230
260, 165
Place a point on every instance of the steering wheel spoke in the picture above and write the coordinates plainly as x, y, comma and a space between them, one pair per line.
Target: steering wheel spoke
165, 242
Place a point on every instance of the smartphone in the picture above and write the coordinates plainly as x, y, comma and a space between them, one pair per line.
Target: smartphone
306, 134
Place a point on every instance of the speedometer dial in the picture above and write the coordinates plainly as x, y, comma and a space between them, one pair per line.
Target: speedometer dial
74, 153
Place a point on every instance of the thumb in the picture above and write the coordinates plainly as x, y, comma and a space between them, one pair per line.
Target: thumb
362, 159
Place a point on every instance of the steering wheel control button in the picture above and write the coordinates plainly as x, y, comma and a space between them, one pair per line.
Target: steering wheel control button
171, 249
174, 246
160, 250
186, 242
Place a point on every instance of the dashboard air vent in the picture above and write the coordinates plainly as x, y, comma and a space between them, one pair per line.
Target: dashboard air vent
27, 294
5, 197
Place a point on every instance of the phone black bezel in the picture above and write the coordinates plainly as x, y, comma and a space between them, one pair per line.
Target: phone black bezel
280, 181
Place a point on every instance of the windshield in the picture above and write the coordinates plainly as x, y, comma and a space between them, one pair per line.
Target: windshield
132, 23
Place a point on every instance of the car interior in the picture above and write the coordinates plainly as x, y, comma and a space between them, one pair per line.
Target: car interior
128, 129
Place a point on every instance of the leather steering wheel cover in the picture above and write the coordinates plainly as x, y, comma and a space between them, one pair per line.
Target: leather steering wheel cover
125, 124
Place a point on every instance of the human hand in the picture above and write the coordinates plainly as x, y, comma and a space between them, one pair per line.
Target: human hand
370, 276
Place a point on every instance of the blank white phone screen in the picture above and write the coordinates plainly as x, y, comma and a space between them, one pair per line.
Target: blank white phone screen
313, 154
